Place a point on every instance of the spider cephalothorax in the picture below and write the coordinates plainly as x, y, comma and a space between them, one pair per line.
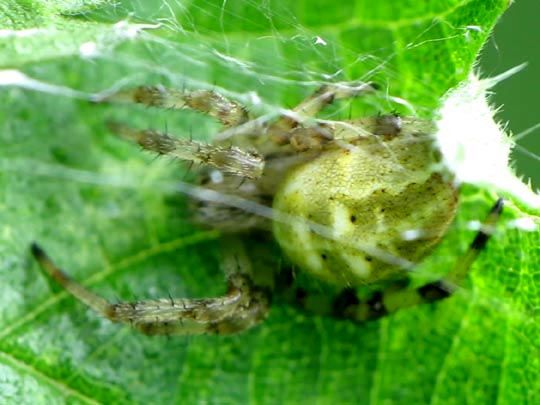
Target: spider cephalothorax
354, 202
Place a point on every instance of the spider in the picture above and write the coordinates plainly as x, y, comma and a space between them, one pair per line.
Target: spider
356, 202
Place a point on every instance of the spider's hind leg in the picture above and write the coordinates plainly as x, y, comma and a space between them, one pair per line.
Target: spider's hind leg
243, 306
398, 296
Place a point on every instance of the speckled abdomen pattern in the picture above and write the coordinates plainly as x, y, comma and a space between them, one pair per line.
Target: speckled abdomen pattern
363, 212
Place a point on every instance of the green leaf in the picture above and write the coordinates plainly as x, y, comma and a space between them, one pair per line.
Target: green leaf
103, 210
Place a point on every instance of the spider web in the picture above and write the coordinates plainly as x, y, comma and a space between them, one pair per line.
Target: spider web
121, 212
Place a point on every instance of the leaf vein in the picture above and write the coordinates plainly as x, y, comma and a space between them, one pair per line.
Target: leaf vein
22, 366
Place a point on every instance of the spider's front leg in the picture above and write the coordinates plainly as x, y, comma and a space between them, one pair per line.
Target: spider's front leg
243, 306
231, 160
228, 112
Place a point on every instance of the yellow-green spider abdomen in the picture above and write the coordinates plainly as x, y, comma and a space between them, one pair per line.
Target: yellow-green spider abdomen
363, 212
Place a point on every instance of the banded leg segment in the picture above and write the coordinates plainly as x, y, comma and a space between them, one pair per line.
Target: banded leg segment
231, 160
399, 297
243, 306
229, 113
487, 228
347, 305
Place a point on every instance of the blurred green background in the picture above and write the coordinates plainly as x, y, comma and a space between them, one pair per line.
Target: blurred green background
517, 40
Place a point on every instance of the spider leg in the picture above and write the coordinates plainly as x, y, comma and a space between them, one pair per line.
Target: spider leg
231, 160
229, 113
398, 296
243, 306
487, 228
289, 129
332, 133
322, 97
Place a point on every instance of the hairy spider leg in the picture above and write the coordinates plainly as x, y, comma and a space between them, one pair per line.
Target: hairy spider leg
228, 112
231, 160
243, 306
397, 296
324, 96
288, 129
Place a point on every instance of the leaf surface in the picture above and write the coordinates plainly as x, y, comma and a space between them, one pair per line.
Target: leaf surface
100, 207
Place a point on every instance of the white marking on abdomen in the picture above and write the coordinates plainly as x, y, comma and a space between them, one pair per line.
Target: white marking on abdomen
357, 265
342, 221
